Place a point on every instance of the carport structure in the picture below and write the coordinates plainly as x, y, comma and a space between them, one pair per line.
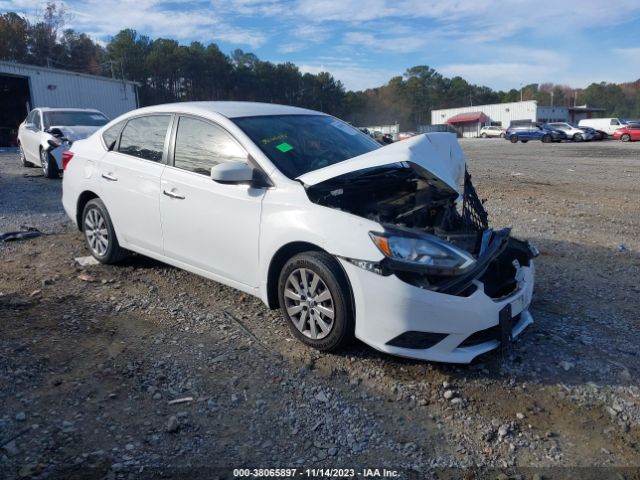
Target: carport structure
468, 124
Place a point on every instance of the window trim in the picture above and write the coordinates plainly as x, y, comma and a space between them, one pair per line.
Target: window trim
117, 140
163, 161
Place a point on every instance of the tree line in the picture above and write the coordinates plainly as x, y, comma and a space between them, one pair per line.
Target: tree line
168, 72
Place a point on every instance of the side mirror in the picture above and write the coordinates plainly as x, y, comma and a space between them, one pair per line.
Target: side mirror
232, 173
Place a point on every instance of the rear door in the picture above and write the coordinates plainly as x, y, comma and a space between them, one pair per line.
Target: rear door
208, 225
130, 180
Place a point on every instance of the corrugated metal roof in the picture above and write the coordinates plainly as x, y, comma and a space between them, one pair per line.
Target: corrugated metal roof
468, 117
37, 68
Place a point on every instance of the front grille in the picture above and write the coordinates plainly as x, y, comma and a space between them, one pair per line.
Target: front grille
488, 334
473, 213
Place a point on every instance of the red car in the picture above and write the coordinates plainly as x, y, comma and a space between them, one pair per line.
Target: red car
628, 133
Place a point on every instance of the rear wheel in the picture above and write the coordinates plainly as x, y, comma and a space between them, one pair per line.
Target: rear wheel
484, 135
513, 138
502, 135
546, 138
315, 300
49, 165
626, 137
99, 233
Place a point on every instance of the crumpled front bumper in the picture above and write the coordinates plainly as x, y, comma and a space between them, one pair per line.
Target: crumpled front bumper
387, 307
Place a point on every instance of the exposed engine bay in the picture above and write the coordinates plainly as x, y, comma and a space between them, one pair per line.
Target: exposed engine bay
406, 198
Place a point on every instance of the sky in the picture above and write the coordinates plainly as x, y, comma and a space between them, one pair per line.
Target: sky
364, 43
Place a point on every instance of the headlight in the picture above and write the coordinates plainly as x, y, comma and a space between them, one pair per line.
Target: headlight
425, 252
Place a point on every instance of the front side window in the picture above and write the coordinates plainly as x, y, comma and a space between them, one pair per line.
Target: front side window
201, 145
615, 122
298, 144
144, 137
37, 121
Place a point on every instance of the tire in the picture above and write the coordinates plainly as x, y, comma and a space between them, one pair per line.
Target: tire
23, 158
524, 141
625, 138
99, 233
309, 319
502, 135
547, 138
49, 165
484, 135
513, 138
578, 137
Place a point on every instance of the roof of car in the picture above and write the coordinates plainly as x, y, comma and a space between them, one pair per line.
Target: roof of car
230, 109
53, 109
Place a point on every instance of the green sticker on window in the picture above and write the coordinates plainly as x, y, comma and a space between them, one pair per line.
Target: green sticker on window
284, 147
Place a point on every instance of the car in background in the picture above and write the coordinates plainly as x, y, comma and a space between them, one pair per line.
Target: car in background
628, 133
533, 131
47, 133
390, 245
573, 133
596, 135
607, 125
491, 131
406, 135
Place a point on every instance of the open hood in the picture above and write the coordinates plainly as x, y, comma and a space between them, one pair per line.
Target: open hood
438, 153
72, 133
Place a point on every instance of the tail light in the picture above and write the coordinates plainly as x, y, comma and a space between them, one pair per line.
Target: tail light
66, 158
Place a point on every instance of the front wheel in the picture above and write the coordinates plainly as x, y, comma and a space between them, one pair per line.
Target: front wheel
502, 135
546, 138
49, 165
626, 137
484, 135
513, 138
577, 137
315, 300
99, 233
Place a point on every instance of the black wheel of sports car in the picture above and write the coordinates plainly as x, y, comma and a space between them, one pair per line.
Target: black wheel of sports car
315, 300
513, 138
99, 233
49, 165
546, 138
23, 158
626, 137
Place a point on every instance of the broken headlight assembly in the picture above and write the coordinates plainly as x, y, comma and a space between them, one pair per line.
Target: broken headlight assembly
421, 253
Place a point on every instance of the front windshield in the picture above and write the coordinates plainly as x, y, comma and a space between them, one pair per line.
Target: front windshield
68, 119
298, 144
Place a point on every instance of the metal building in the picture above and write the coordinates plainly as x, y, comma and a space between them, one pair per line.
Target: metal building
468, 121
23, 87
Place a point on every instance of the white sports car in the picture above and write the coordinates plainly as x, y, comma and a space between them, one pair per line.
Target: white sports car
388, 244
48, 132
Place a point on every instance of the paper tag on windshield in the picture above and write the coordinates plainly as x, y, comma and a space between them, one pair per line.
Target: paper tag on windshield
345, 128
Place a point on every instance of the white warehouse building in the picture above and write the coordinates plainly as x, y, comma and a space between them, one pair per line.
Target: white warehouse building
23, 87
468, 121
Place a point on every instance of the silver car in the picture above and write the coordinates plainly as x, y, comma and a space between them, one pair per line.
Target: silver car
48, 132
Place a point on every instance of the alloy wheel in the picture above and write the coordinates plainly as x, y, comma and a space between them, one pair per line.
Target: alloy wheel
95, 229
309, 303
44, 159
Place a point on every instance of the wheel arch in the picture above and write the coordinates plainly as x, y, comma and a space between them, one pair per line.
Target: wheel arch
83, 199
281, 257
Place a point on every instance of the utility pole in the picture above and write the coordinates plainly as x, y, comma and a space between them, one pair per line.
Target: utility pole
521, 92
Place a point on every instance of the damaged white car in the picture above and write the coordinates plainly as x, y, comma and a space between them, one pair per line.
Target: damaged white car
388, 244
48, 132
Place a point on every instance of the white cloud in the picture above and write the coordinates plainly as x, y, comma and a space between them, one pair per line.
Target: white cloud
352, 76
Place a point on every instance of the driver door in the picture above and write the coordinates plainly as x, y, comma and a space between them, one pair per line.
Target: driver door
208, 225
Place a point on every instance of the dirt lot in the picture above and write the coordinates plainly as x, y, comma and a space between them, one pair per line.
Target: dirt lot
90, 358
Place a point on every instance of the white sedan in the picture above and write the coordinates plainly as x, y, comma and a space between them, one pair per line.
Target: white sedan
48, 132
387, 244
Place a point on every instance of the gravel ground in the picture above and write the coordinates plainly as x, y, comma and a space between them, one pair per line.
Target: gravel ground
91, 358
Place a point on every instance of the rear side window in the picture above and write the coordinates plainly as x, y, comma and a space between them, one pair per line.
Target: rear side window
111, 134
144, 137
201, 145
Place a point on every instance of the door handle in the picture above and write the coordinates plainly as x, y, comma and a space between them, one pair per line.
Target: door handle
171, 194
109, 177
